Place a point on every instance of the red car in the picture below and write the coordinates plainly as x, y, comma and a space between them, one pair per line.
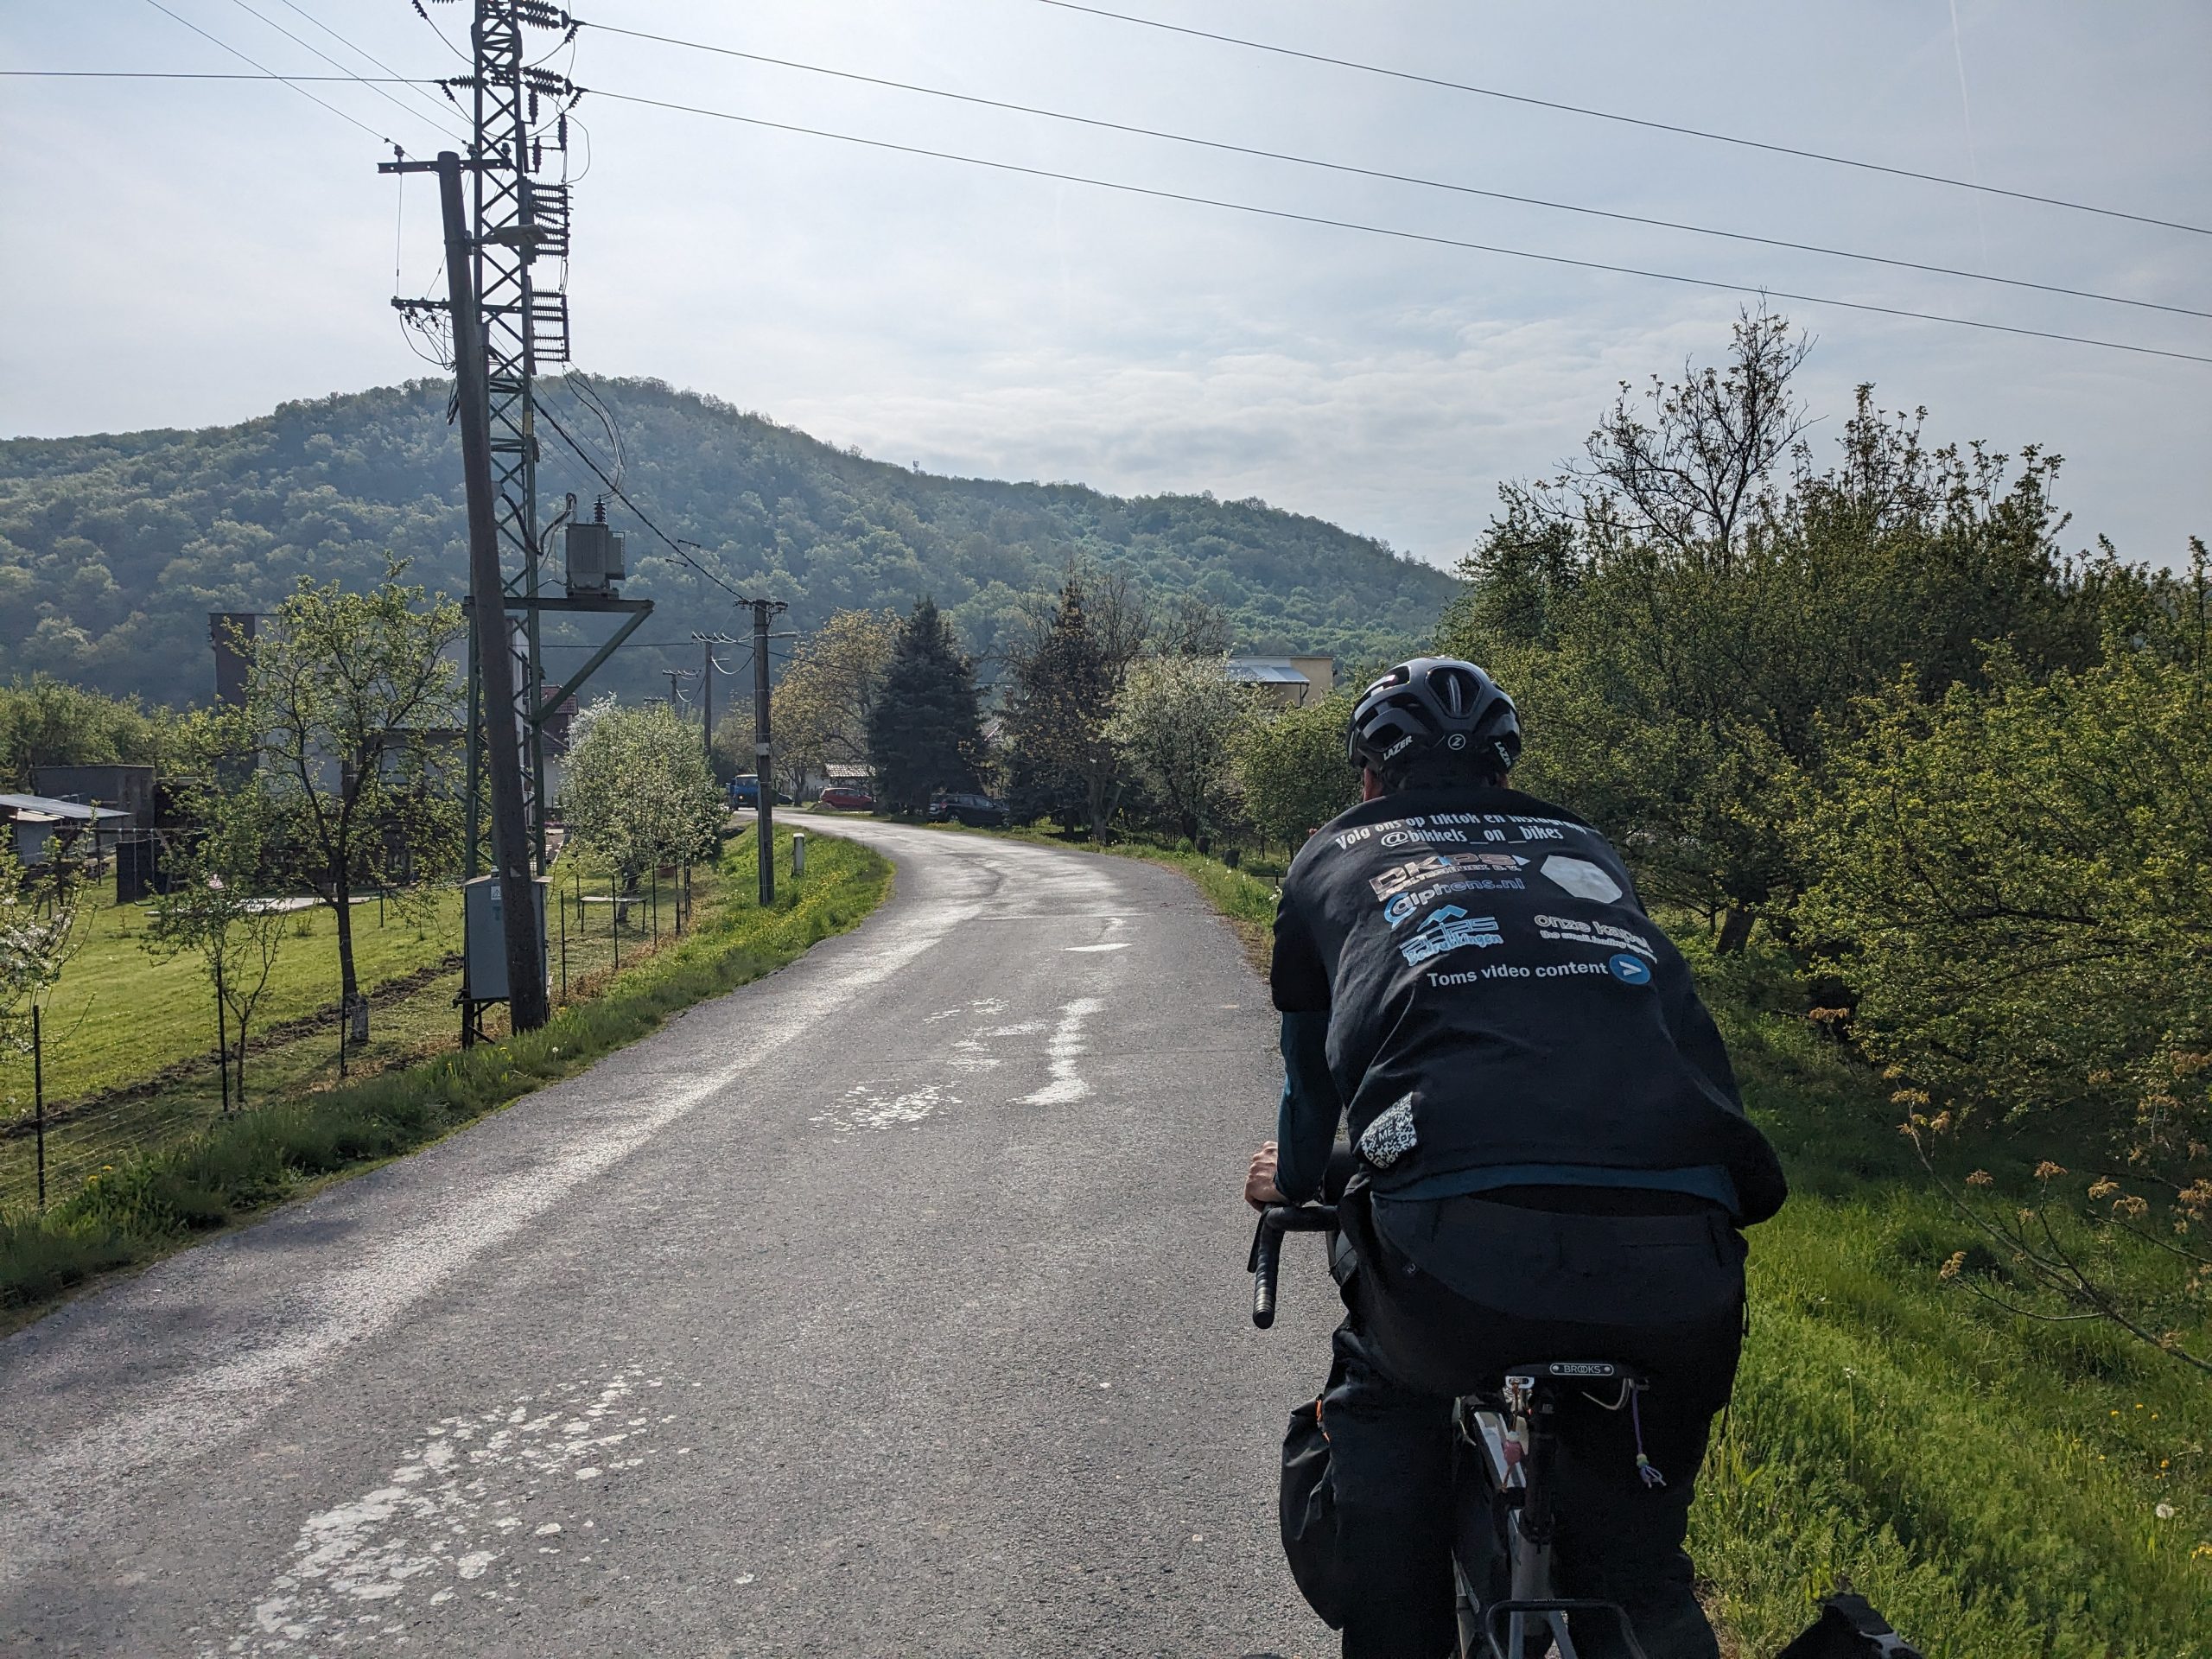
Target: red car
839, 797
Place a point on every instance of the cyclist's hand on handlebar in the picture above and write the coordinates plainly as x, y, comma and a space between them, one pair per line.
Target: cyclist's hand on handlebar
1260, 1190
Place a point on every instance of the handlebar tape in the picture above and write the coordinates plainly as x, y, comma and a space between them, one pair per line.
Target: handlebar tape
1267, 1247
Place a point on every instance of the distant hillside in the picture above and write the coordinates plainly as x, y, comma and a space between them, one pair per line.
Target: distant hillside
113, 548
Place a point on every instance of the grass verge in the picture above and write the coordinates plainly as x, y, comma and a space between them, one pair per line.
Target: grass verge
1997, 1485
2001, 1488
147, 1205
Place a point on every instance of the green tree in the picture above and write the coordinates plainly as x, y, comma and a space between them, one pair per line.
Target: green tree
637, 792
1292, 769
218, 908
350, 704
1176, 724
38, 937
822, 704
2015, 886
1066, 677
925, 729
36, 945
47, 722
1686, 630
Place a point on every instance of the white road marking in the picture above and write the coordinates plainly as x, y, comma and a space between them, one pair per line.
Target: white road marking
866, 1107
373, 1567
1076, 949
237, 1367
1065, 1048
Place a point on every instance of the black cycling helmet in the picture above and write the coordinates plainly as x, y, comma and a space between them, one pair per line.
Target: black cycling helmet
1434, 712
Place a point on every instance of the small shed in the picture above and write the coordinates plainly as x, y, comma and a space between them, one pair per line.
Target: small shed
1294, 682
35, 821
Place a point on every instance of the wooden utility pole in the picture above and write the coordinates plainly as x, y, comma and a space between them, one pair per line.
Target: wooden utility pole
494, 654
763, 787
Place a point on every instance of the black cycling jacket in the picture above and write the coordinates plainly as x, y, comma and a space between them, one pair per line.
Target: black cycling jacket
1497, 996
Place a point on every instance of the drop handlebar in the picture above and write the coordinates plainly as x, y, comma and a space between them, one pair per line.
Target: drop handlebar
1266, 1246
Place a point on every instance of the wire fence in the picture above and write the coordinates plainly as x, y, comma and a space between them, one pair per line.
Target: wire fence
596, 928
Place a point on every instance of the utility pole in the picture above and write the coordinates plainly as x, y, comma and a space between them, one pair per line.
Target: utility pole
518, 242
511, 851
764, 825
674, 675
708, 669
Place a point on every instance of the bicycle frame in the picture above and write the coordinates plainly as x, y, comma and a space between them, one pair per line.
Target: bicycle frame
1517, 1443
1515, 1436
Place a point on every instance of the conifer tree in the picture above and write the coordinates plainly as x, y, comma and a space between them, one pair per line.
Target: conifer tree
925, 728
1066, 683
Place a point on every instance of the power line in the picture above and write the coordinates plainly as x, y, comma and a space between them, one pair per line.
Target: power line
289, 80
676, 547
662, 645
414, 114
217, 75
441, 34
361, 51
1625, 120
1399, 178
1407, 236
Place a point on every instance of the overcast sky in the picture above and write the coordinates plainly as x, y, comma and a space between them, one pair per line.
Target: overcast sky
182, 253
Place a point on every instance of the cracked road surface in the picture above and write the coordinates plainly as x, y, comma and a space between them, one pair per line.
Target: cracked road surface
893, 1304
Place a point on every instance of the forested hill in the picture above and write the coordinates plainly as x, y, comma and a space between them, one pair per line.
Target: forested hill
113, 549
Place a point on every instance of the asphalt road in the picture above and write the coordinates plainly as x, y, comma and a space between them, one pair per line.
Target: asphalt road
892, 1305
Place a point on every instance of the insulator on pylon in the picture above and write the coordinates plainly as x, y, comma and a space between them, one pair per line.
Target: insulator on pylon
537, 154
561, 129
533, 103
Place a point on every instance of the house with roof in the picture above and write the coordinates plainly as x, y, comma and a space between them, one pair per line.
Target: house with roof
1292, 682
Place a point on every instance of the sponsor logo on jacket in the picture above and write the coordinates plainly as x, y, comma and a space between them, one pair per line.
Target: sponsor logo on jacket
1598, 935
1442, 867
1449, 929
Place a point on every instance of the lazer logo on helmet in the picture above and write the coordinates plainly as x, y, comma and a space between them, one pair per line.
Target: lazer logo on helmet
1403, 743
1449, 929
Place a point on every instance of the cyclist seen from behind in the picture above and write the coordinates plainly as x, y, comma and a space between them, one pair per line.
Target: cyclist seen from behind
1552, 1163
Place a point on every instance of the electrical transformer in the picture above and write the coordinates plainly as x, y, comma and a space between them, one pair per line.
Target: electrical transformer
595, 557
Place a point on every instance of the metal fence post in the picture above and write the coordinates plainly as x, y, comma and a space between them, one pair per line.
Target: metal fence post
38, 1096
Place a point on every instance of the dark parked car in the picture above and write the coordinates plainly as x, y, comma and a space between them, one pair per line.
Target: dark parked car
839, 797
977, 811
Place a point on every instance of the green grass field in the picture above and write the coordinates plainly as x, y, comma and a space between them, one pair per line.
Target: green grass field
191, 1169
2001, 1487
121, 1017
119, 1014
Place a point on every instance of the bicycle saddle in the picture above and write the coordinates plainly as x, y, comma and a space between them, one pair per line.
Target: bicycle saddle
1577, 1371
